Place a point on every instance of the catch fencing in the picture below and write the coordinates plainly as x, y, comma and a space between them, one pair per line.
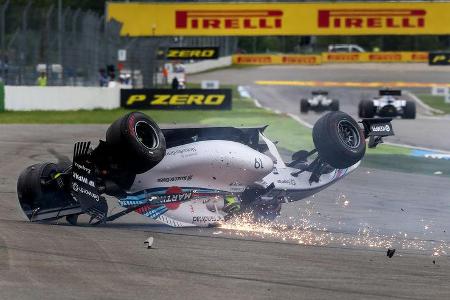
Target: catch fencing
71, 46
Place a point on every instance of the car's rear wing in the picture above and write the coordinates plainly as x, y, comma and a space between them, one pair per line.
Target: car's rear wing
319, 92
377, 128
390, 92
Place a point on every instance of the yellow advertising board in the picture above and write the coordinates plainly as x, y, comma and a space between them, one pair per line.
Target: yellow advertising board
278, 59
375, 57
250, 19
329, 57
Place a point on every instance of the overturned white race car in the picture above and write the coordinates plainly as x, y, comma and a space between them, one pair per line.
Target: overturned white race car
387, 104
192, 176
319, 101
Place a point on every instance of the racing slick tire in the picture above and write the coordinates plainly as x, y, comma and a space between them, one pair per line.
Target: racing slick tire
138, 141
366, 109
339, 140
304, 106
409, 112
33, 194
334, 106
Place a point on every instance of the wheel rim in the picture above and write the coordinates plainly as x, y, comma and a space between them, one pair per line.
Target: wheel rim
146, 135
348, 134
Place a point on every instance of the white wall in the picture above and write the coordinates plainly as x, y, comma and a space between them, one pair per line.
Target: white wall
208, 64
60, 98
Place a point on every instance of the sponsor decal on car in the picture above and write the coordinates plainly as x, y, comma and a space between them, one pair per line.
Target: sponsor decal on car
184, 151
82, 167
78, 189
175, 178
83, 179
381, 128
287, 181
207, 219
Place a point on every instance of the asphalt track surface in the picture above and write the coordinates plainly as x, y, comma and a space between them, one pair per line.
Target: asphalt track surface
110, 262
426, 131
59, 261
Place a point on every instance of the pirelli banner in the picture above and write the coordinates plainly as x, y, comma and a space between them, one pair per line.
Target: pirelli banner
269, 59
250, 19
167, 99
300, 59
375, 57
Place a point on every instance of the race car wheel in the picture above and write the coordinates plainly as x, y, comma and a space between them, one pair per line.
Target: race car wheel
339, 140
409, 111
366, 109
334, 106
304, 106
137, 141
32, 192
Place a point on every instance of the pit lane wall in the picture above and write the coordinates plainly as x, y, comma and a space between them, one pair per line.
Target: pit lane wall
330, 57
25, 98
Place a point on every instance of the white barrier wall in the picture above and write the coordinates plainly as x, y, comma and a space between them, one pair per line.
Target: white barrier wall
60, 98
208, 64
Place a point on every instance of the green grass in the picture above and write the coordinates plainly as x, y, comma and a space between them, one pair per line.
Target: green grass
436, 102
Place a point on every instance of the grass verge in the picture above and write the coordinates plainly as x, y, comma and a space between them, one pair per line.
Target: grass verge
436, 102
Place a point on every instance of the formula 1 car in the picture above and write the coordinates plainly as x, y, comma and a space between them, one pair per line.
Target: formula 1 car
387, 104
192, 176
318, 102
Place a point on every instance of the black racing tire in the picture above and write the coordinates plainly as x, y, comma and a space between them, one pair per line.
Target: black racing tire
339, 140
30, 191
366, 109
334, 106
409, 111
304, 106
138, 141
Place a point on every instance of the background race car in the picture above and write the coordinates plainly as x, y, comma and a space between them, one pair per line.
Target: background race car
387, 104
319, 102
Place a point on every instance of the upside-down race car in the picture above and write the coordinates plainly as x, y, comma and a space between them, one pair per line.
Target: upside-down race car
192, 176
387, 104
319, 102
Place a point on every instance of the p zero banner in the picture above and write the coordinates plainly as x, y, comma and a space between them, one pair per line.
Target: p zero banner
167, 99
439, 59
237, 19
197, 53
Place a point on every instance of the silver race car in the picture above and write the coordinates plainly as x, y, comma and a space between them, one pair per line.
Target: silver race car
319, 101
192, 176
387, 104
